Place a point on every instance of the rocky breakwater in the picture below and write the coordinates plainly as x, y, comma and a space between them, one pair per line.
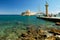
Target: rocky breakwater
33, 33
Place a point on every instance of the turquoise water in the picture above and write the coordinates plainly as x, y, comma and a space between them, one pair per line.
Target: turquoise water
24, 19
13, 20
11, 26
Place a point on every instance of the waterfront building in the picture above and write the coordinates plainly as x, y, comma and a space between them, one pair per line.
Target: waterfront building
28, 13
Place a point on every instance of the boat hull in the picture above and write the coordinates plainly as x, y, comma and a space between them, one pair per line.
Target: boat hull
49, 19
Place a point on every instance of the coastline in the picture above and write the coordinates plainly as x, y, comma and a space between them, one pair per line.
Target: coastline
30, 33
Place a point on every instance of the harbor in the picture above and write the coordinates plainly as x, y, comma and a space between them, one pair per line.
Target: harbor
49, 17
21, 20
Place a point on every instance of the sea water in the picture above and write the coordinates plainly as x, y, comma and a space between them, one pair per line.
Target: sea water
13, 20
17, 23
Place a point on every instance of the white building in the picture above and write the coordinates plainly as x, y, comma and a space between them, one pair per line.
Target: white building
28, 13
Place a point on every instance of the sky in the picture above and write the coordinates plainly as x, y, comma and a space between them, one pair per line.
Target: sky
16, 7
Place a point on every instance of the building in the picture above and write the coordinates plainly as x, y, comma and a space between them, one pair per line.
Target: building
27, 13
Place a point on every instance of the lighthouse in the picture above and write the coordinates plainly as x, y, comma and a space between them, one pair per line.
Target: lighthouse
46, 9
